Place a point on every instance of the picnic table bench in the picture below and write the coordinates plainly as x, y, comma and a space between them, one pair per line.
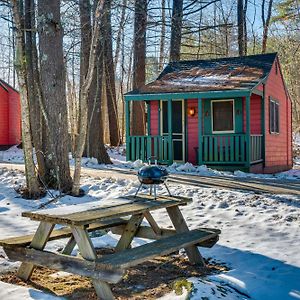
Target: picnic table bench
123, 216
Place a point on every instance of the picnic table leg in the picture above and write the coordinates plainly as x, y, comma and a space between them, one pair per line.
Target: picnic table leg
129, 232
69, 246
38, 242
152, 222
180, 225
88, 252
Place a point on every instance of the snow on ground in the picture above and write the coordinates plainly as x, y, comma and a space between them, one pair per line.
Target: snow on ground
259, 240
15, 155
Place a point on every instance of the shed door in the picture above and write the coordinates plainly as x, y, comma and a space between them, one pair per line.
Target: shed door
177, 127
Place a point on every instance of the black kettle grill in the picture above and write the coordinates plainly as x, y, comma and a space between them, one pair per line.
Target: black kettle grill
152, 175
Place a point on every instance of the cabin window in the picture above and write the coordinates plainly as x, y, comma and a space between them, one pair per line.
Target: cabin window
274, 116
222, 116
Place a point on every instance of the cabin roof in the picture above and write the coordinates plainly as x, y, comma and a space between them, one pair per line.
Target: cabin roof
230, 73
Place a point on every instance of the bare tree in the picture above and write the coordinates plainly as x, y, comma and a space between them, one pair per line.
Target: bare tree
162, 34
240, 25
83, 98
266, 23
139, 63
31, 178
53, 81
110, 85
176, 30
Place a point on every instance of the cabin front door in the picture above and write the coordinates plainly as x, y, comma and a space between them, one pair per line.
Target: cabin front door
178, 133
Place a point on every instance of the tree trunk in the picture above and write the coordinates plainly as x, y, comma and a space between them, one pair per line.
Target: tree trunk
83, 98
114, 131
162, 35
32, 84
31, 178
176, 29
266, 23
245, 27
240, 25
138, 119
120, 31
53, 80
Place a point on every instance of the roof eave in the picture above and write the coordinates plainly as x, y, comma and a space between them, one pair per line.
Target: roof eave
188, 95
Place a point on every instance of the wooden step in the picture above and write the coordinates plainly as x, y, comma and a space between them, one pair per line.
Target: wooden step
132, 257
61, 233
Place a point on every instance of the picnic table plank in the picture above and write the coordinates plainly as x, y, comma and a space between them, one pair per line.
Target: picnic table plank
131, 257
98, 213
38, 242
147, 232
63, 232
62, 262
88, 252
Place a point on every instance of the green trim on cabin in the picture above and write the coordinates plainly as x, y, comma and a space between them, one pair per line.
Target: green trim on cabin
248, 129
200, 132
148, 118
186, 133
188, 95
127, 119
263, 123
170, 131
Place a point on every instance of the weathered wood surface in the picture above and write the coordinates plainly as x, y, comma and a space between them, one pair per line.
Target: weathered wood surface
129, 232
128, 205
38, 242
131, 257
88, 252
61, 233
62, 262
181, 227
147, 232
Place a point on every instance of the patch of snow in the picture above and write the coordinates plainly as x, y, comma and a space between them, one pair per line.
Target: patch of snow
16, 292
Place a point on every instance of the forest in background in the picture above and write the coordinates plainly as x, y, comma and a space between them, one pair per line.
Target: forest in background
73, 60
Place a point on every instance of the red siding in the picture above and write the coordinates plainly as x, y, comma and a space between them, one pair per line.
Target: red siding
4, 111
278, 146
154, 112
14, 117
192, 132
255, 114
10, 116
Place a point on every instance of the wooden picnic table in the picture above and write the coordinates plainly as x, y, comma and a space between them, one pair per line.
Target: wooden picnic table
123, 216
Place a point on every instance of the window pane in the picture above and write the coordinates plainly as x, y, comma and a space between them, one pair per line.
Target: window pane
223, 116
272, 115
276, 117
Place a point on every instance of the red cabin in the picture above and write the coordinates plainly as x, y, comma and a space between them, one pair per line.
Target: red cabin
10, 115
229, 113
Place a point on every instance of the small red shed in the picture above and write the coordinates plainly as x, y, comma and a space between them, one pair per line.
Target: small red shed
10, 115
229, 113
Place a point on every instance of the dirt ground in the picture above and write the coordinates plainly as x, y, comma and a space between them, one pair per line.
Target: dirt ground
149, 280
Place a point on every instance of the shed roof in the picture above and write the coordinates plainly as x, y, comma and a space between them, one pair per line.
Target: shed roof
230, 73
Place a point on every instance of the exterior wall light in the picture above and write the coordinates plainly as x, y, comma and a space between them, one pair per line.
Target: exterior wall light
191, 111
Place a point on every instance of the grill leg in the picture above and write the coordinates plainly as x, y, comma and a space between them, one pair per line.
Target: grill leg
155, 191
138, 189
167, 189
151, 190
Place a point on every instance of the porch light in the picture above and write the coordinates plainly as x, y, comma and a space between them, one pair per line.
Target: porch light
191, 111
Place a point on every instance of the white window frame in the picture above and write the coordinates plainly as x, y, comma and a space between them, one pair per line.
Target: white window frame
212, 116
274, 115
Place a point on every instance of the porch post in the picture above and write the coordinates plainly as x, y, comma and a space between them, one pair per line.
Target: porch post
200, 134
148, 118
248, 132
127, 116
170, 154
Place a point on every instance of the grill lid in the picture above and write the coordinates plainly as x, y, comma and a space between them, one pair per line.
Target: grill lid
152, 174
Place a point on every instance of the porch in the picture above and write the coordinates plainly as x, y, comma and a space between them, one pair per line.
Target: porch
215, 149
216, 129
